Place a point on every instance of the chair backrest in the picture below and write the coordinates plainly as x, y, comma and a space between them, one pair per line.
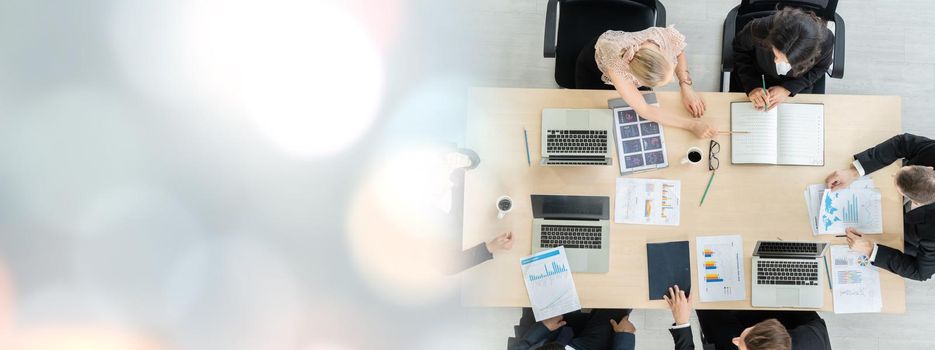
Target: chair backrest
752, 9
580, 21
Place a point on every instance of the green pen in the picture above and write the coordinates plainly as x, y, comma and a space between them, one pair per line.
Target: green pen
706, 188
828, 272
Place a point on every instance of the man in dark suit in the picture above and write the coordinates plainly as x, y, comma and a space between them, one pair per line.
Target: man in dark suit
747, 330
915, 181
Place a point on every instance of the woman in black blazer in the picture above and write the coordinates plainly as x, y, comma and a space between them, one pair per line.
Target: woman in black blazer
790, 49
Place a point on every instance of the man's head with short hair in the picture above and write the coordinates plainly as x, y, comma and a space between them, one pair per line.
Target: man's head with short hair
766, 335
917, 183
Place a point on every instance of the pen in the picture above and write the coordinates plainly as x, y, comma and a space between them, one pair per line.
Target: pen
766, 105
706, 189
842, 236
526, 140
733, 132
828, 272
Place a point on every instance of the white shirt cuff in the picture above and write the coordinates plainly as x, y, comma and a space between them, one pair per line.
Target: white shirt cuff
873, 255
860, 169
683, 325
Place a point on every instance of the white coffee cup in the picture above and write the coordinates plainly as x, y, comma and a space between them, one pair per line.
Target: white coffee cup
504, 205
693, 156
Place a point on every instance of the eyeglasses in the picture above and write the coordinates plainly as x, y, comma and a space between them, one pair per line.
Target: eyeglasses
713, 150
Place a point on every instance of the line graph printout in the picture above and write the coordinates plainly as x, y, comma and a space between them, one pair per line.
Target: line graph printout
720, 268
858, 208
856, 283
549, 283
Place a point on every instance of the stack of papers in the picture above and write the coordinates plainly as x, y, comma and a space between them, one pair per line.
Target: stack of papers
647, 201
720, 268
856, 283
549, 284
857, 206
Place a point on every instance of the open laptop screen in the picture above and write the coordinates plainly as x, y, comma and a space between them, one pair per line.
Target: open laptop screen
570, 207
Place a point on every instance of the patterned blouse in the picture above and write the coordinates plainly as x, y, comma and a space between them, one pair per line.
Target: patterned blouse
615, 49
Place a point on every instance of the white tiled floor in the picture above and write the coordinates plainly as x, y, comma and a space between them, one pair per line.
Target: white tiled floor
890, 50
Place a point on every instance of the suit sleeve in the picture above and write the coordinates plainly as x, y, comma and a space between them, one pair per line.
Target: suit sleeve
683, 338
745, 66
812, 75
471, 257
537, 333
624, 341
917, 268
907, 146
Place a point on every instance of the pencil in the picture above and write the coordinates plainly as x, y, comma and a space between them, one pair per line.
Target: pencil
526, 140
706, 189
828, 272
765, 106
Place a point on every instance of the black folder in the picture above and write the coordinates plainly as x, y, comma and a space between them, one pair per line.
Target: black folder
669, 265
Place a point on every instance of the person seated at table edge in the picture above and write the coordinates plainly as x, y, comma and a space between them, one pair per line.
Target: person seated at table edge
650, 58
790, 49
915, 181
597, 330
801, 330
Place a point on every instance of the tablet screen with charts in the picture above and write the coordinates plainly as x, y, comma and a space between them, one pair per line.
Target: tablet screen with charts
640, 143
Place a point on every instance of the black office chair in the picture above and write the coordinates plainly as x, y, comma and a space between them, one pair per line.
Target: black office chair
583, 20
748, 10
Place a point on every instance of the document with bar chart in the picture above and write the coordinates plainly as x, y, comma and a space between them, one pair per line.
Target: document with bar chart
549, 284
720, 268
647, 201
856, 283
858, 208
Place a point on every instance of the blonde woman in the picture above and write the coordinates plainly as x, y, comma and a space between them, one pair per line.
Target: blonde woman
650, 58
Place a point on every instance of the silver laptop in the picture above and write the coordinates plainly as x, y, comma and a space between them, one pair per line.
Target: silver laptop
580, 223
574, 137
786, 274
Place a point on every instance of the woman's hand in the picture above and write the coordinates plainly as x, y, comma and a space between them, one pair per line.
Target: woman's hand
501, 243
702, 130
777, 95
759, 97
693, 101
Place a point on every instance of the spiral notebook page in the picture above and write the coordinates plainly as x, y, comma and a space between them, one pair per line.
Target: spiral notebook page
758, 144
801, 134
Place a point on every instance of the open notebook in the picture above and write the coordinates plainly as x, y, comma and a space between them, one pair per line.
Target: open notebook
791, 134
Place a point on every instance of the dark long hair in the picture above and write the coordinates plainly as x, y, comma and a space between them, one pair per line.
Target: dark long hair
798, 35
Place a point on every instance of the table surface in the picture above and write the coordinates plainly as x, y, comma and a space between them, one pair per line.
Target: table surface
497, 117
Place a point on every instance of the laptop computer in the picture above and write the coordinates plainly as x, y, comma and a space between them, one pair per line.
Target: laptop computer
580, 223
575, 137
786, 274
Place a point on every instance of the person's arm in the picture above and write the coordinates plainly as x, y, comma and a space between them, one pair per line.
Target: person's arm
538, 332
745, 66
918, 268
692, 101
635, 99
482, 252
901, 146
683, 338
624, 334
681, 306
794, 86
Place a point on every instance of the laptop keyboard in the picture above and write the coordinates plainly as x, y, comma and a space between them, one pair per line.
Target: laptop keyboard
576, 141
788, 247
584, 237
798, 273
